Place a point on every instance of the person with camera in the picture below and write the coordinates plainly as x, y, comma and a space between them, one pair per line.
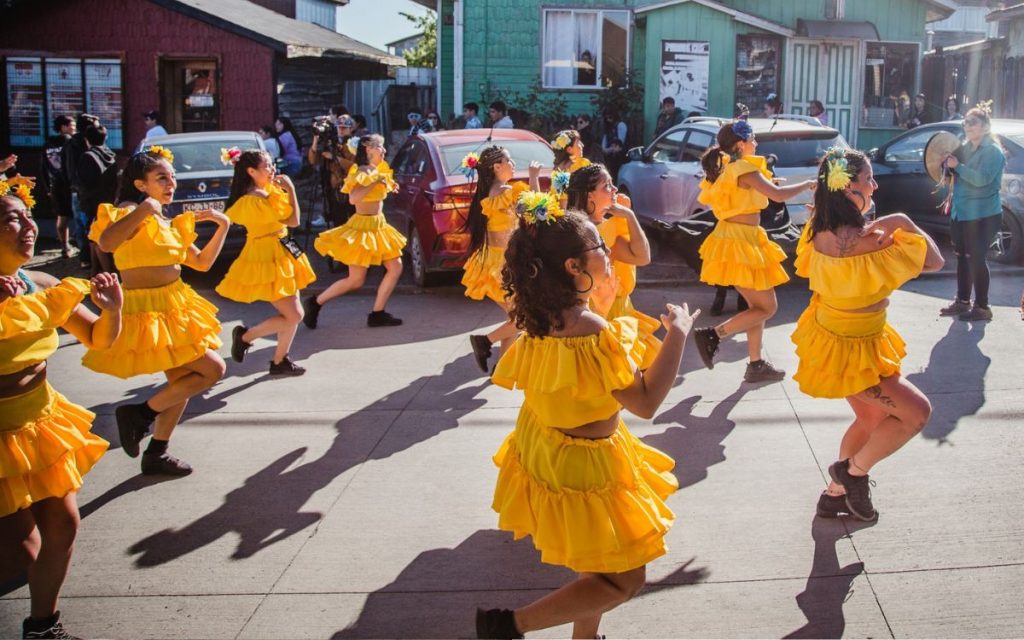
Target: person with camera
330, 153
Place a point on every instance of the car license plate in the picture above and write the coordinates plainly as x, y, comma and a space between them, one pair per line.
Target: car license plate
216, 205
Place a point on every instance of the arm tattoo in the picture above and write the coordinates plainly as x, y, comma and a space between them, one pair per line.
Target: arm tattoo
876, 393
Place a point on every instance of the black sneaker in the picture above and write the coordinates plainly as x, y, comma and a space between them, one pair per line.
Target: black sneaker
496, 623
47, 628
382, 319
831, 506
481, 351
132, 427
707, 345
286, 368
164, 464
310, 311
762, 371
858, 491
239, 346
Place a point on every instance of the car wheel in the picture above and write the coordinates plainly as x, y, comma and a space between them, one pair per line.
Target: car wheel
421, 277
1007, 248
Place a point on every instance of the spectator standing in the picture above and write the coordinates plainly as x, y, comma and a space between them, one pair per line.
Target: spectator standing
70, 156
669, 116
97, 175
54, 180
772, 105
613, 143
417, 123
591, 150
470, 112
290, 143
919, 114
153, 127
270, 141
498, 114
817, 110
953, 109
361, 128
336, 159
434, 121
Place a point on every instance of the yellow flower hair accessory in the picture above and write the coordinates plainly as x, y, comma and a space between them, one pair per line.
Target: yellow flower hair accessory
562, 141
469, 163
986, 106
538, 206
21, 188
4, 188
230, 156
25, 194
163, 152
837, 175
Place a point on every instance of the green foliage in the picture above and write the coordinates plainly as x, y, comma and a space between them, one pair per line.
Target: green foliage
423, 54
545, 110
626, 99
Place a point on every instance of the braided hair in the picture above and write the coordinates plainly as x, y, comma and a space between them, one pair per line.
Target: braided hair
476, 222
582, 183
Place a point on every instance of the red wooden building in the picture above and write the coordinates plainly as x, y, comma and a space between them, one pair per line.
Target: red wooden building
204, 64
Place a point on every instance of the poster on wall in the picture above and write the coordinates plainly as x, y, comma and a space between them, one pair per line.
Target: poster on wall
64, 86
25, 100
684, 74
103, 93
757, 69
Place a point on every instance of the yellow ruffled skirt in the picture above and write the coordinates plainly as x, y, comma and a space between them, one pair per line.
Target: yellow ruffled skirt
590, 505
741, 255
646, 326
265, 270
843, 353
161, 328
45, 448
362, 241
482, 277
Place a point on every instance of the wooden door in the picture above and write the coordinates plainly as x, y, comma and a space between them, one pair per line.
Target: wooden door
830, 71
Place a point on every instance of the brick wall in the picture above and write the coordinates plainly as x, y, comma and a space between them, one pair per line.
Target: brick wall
142, 32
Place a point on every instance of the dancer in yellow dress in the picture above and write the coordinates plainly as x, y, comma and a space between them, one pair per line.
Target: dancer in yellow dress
490, 222
592, 191
568, 149
571, 476
266, 269
168, 327
46, 446
845, 346
737, 185
366, 239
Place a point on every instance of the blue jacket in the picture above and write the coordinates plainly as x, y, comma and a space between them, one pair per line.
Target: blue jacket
979, 176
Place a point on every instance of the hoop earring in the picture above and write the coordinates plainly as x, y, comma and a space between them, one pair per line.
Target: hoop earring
863, 201
590, 286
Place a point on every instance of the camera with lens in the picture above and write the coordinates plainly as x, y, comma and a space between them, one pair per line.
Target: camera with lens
326, 130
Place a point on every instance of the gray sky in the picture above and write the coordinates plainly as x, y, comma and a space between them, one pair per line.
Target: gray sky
377, 22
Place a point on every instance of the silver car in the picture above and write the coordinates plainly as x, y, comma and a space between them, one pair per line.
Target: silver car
663, 180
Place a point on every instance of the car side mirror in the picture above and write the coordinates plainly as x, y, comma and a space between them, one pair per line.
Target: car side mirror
636, 154
873, 154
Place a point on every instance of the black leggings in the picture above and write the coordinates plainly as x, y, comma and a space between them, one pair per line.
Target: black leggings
971, 240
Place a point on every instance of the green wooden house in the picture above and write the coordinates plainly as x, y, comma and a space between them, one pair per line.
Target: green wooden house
861, 58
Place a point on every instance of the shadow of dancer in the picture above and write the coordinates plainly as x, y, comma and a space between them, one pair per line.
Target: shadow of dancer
436, 594
267, 508
828, 585
954, 359
699, 442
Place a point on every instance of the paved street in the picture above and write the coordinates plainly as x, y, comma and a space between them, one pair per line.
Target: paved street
355, 501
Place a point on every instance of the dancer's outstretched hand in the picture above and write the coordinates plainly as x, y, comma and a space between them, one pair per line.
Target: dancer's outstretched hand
679, 318
11, 286
106, 291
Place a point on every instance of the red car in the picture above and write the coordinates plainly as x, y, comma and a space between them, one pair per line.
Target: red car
432, 201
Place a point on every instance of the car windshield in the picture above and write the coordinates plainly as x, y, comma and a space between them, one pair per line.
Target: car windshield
799, 150
523, 152
204, 155
1018, 138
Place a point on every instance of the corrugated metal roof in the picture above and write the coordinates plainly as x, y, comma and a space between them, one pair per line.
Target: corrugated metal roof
292, 37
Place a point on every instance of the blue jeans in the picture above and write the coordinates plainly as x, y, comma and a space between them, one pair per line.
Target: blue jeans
80, 229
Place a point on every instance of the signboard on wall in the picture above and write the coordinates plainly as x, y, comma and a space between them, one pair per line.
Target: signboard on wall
684, 74
25, 100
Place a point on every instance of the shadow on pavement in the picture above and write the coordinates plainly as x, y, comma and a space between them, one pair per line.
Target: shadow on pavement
957, 357
828, 585
437, 594
281, 490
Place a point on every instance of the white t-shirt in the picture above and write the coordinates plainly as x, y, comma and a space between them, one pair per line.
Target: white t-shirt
156, 130
504, 123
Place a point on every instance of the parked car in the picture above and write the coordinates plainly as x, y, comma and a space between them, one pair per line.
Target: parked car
432, 201
904, 186
663, 179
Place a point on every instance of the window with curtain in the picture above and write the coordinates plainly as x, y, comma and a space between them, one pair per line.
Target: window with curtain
584, 49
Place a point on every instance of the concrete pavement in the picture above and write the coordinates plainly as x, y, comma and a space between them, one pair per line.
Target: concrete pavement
355, 501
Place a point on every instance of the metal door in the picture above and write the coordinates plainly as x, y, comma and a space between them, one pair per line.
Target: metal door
830, 71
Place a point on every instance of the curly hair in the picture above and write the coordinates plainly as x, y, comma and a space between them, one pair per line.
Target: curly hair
562, 156
833, 209
138, 166
536, 283
476, 222
241, 181
726, 142
582, 183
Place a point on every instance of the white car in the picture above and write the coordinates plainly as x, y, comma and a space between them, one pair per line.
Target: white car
663, 179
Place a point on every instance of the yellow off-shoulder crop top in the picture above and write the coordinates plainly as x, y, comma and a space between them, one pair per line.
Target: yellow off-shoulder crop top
381, 178
612, 230
726, 198
262, 216
28, 323
500, 210
156, 243
853, 282
567, 382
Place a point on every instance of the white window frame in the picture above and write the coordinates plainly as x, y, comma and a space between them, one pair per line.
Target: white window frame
598, 54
